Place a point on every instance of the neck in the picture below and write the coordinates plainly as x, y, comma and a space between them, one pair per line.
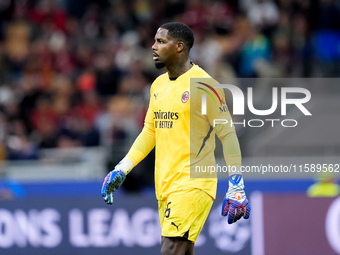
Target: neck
179, 68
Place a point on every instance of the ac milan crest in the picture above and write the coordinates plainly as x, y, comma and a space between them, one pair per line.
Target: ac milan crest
185, 97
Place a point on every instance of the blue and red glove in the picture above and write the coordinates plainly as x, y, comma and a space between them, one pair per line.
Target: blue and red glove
112, 182
235, 203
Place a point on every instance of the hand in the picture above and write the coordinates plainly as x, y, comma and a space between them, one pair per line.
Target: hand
112, 182
235, 203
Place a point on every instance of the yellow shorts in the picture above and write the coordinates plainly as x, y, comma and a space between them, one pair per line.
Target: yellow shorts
183, 213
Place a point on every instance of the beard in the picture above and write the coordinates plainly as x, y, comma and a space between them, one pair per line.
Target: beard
159, 65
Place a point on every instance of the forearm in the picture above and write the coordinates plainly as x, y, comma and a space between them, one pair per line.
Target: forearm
142, 146
231, 149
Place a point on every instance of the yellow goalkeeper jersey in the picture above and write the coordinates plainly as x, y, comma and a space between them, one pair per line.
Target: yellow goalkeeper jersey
184, 137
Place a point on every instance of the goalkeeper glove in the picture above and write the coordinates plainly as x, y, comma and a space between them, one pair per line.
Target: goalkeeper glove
115, 179
235, 203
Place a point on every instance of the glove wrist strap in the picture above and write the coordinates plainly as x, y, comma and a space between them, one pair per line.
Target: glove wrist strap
125, 165
236, 182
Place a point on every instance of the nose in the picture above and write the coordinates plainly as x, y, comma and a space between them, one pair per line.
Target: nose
153, 47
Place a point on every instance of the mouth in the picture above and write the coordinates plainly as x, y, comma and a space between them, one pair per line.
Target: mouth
155, 56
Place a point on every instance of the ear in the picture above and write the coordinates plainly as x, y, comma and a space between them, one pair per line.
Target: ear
180, 46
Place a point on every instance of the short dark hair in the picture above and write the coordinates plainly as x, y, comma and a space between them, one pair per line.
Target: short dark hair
180, 31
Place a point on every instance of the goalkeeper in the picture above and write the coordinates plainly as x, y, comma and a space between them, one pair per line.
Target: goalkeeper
183, 202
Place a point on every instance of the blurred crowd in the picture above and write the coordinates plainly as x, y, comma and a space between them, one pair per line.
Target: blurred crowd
77, 72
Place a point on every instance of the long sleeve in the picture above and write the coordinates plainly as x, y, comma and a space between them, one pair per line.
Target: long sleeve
146, 140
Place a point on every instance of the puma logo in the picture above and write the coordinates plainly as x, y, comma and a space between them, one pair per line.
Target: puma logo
172, 223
